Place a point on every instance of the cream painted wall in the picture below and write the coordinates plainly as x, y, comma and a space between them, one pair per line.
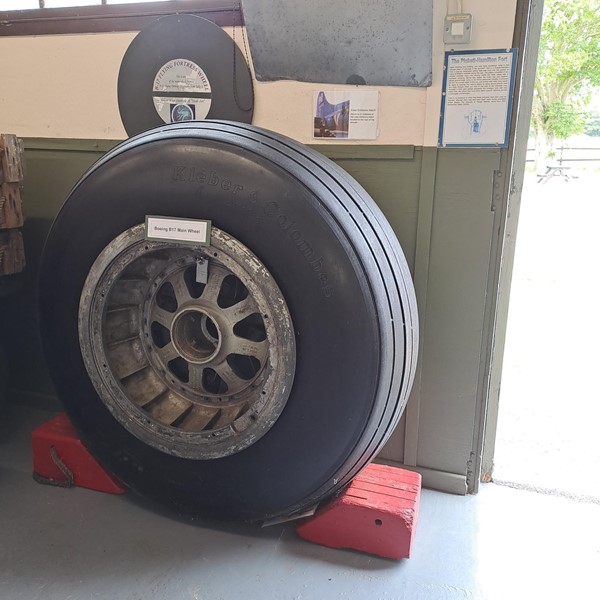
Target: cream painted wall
65, 86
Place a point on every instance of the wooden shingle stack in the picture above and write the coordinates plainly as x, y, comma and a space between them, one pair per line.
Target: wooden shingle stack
12, 254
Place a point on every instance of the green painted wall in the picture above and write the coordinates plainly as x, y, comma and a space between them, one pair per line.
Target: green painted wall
52, 167
439, 204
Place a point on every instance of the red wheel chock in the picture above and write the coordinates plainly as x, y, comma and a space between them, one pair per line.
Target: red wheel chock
60, 459
376, 513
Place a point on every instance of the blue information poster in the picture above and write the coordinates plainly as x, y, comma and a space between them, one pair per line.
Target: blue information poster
477, 94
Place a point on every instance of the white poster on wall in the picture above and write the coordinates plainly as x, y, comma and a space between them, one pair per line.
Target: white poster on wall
477, 96
346, 114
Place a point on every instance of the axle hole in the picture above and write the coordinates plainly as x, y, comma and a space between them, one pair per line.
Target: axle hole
195, 336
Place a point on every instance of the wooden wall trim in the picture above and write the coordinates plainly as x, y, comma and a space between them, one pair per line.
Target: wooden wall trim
368, 152
361, 152
421, 278
69, 144
116, 17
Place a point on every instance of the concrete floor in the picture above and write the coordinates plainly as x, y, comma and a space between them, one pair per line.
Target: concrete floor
77, 544
550, 399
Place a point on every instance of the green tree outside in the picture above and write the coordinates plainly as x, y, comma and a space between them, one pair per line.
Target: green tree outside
568, 71
592, 124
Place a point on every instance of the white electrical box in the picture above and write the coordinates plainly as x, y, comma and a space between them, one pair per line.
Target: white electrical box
457, 29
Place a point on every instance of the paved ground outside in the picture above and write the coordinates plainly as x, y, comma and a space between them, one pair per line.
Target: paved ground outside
548, 431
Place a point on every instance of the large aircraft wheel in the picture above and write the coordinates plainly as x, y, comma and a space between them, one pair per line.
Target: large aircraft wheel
246, 379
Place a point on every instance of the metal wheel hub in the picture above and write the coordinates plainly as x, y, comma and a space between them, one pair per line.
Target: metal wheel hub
195, 336
191, 348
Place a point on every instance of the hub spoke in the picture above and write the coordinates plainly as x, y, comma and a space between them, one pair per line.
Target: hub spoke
225, 372
241, 310
216, 275
168, 353
196, 372
250, 348
165, 318
182, 294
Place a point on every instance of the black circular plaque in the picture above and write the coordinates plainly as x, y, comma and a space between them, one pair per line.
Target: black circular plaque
183, 68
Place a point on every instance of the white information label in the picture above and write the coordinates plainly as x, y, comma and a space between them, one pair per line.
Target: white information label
181, 92
346, 114
173, 229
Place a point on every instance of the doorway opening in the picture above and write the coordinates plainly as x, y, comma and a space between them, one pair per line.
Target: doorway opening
550, 397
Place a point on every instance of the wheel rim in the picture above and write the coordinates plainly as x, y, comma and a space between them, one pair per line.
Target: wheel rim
198, 369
